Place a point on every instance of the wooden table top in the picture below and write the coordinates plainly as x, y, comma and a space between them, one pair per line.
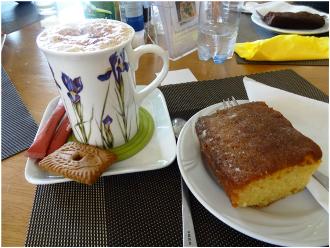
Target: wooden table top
29, 72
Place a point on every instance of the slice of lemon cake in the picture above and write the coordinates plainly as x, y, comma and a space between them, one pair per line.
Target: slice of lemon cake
256, 154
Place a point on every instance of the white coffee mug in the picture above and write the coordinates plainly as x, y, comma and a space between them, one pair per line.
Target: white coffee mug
98, 90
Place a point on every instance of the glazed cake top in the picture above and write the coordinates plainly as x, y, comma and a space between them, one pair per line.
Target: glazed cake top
250, 141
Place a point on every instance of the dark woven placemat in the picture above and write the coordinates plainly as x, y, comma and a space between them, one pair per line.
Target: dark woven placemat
249, 31
144, 209
318, 62
17, 125
68, 214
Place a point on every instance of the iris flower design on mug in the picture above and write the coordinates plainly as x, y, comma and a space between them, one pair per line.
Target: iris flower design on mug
106, 132
74, 87
118, 65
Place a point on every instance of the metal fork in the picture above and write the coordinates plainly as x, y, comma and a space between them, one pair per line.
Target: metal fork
322, 179
229, 103
319, 177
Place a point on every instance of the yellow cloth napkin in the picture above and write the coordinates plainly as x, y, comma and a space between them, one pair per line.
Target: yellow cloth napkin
285, 48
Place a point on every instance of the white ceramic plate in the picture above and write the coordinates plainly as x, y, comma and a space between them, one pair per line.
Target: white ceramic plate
158, 153
297, 220
257, 20
248, 7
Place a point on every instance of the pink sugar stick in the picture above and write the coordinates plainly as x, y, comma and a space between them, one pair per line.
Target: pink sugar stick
62, 134
39, 147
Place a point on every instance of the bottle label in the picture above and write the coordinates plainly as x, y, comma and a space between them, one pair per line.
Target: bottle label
136, 22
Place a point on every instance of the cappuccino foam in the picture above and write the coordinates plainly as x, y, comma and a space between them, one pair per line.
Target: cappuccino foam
91, 35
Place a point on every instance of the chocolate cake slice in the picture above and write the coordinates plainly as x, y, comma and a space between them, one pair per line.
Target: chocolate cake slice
289, 20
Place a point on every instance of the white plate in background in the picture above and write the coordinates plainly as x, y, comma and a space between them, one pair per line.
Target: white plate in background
257, 20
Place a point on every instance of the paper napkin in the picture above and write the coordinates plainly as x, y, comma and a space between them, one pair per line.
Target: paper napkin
307, 115
178, 76
285, 48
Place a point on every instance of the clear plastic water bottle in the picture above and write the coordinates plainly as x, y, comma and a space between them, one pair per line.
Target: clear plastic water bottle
132, 14
218, 28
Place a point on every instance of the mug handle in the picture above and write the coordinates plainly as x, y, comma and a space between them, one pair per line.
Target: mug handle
137, 53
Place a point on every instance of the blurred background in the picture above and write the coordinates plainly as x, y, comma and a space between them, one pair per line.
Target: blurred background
175, 26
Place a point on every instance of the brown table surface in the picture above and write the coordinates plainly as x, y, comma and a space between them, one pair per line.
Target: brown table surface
29, 72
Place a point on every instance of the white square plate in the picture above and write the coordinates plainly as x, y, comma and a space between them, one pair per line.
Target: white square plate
158, 153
